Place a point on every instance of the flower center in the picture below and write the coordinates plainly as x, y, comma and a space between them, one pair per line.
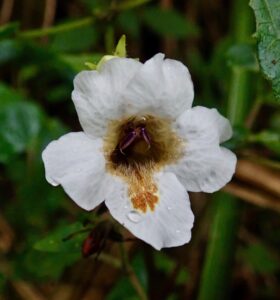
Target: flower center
135, 148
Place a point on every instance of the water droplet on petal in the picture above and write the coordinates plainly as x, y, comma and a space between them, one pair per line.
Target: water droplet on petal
134, 216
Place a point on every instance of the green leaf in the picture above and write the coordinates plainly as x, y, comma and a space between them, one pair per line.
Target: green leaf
242, 56
20, 122
182, 277
9, 50
269, 139
2, 282
129, 22
123, 289
169, 22
77, 40
129, 4
8, 30
121, 47
77, 62
42, 265
59, 240
268, 35
260, 259
163, 262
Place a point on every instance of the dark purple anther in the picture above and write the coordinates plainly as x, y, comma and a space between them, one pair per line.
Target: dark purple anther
128, 140
130, 137
146, 137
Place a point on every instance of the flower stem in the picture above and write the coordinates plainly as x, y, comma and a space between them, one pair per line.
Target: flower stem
56, 29
216, 274
131, 274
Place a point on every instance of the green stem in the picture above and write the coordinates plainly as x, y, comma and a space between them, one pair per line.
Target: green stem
216, 274
56, 29
131, 274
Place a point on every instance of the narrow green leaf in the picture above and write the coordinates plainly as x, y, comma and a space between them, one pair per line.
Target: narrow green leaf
268, 35
63, 239
269, 139
121, 47
129, 4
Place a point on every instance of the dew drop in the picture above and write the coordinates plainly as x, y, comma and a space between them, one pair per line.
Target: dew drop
134, 216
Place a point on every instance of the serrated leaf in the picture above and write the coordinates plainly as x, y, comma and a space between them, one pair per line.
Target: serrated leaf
268, 35
59, 241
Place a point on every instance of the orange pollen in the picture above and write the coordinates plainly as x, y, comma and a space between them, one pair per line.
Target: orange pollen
145, 199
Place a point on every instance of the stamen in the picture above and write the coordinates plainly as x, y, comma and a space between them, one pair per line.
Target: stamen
135, 149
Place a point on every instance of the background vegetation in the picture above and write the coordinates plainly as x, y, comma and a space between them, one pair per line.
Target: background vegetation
229, 47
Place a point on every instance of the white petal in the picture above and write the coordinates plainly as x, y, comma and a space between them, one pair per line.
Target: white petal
97, 94
206, 170
169, 225
203, 125
205, 165
160, 87
77, 163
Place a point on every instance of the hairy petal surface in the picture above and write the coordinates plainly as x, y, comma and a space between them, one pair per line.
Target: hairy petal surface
77, 163
205, 166
170, 223
97, 95
160, 87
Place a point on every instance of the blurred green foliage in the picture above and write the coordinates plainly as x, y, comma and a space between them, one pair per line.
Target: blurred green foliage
37, 70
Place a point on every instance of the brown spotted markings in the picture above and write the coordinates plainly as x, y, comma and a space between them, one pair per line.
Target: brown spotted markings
145, 198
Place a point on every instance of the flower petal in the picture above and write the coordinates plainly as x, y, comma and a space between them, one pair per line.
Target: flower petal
170, 223
203, 125
77, 163
97, 94
160, 87
205, 165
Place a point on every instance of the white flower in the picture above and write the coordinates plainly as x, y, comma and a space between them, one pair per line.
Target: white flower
143, 147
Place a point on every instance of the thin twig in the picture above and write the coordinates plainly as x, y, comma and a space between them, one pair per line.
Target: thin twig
131, 274
254, 196
258, 175
29, 34
27, 291
6, 11
49, 13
